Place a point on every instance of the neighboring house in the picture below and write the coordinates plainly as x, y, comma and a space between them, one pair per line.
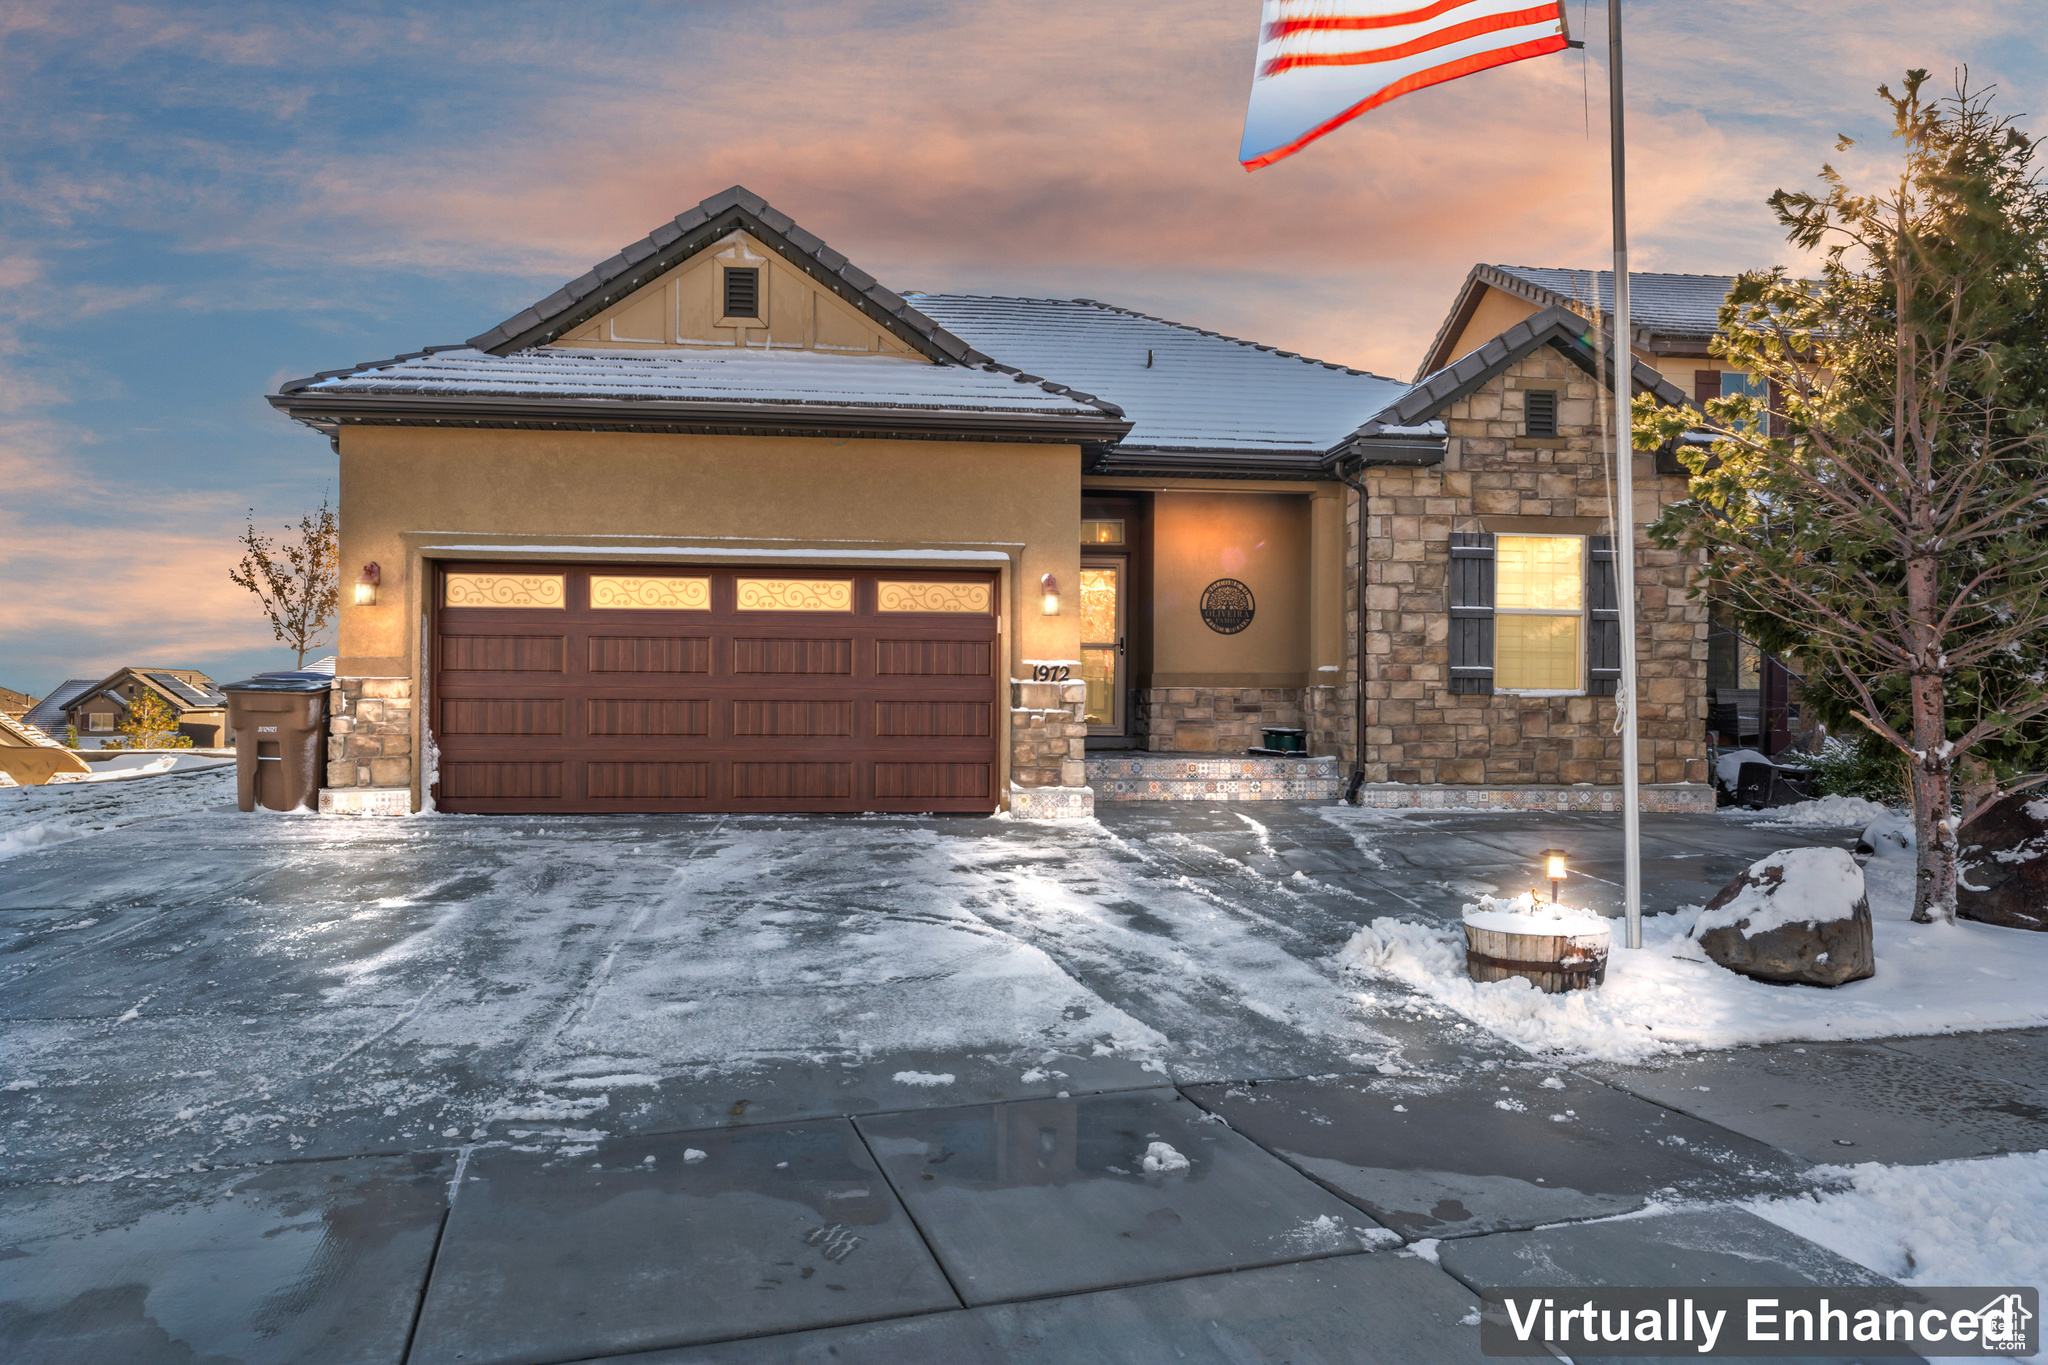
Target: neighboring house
47, 715
28, 757
15, 704
98, 709
725, 524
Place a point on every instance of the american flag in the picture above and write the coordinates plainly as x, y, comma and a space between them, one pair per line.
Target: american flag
1324, 62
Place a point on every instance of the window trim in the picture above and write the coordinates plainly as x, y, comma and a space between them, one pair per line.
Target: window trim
1582, 615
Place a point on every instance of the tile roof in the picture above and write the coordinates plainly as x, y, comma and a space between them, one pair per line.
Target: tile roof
779, 378
1668, 305
1185, 388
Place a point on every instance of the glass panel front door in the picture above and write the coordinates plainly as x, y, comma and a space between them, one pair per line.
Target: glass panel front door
1102, 643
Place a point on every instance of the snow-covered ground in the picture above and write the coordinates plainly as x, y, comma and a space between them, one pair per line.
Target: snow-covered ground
1975, 1222
145, 764
34, 817
1668, 997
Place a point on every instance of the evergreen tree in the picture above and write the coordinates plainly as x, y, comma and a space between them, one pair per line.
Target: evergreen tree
1874, 506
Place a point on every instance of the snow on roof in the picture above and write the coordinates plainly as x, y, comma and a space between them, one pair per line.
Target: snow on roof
33, 734
325, 665
1676, 305
1200, 391
728, 376
48, 714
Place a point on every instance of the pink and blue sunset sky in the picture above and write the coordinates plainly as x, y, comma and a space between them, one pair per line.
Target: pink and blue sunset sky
201, 201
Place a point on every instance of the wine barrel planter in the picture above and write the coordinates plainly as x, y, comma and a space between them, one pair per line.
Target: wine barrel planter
1553, 963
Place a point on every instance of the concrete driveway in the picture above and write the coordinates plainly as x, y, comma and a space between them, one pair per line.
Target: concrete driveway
773, 1088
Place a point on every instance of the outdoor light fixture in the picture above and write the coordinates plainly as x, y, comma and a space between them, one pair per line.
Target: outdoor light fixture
1050, 586
366, 584
1553, 868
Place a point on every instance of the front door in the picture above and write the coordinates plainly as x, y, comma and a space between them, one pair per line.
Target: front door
1102, 641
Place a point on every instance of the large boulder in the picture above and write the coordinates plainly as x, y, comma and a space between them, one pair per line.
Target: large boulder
2003, 872
1799, 915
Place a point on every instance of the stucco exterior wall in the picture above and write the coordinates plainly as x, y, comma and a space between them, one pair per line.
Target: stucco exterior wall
1496, 479
407, 495
1260, 539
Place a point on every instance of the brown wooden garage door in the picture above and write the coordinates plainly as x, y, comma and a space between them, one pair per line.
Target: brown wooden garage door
630, 688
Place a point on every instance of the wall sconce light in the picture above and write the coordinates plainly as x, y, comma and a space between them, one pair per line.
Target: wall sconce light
1553, 868
1050, 586
366, 584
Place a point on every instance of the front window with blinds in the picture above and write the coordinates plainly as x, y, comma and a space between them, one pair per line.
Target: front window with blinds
1539, 613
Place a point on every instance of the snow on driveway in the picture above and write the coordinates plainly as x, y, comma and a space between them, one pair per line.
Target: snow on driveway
184, 983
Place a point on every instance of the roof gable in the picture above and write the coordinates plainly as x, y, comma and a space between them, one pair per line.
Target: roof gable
684, 307
1663, 308
1559, 327
591, 296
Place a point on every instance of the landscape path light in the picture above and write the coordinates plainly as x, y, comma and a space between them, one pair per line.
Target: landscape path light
1050, 586
366, 584
1553, 868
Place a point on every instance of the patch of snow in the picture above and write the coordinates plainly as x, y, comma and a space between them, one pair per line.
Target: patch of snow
1982, 1220
1813, 882
927, 1079
1668, 997
694, 1154
1161, 1159
1426, 1249
1826, 812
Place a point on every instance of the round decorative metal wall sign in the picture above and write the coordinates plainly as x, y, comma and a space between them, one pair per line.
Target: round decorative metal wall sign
1227, 606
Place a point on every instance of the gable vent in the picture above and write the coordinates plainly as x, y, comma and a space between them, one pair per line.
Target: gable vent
1539, 412
743, 292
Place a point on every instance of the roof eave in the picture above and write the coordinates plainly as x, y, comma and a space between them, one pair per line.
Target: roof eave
329, 412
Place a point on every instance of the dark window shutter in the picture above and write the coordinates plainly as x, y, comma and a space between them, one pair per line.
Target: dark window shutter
1775, 396
1705, 384
1471, 613
1603, 619
743, 292
1539, 412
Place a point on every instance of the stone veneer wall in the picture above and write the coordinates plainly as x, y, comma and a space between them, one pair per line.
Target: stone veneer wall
369, 733
1048, 733
1213, 720
1417, 731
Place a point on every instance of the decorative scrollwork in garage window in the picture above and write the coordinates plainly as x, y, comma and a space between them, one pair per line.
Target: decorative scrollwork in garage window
505, 590
970, 598
612, 593
795, 594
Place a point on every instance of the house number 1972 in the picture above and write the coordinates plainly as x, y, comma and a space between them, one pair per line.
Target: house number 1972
1051, 672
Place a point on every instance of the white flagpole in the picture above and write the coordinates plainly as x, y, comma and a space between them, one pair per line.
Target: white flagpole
1624, 474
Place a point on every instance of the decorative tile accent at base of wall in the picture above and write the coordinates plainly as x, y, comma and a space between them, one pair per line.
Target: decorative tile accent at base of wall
1052, 803
1668, 799
1213, 777
366, 801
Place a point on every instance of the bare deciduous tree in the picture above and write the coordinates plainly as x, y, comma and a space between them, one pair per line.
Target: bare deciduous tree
298, 582
1876, 500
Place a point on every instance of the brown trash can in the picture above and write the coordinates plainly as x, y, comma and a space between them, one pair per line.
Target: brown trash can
279, 721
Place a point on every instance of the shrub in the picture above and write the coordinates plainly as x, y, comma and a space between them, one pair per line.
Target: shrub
1863, 765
